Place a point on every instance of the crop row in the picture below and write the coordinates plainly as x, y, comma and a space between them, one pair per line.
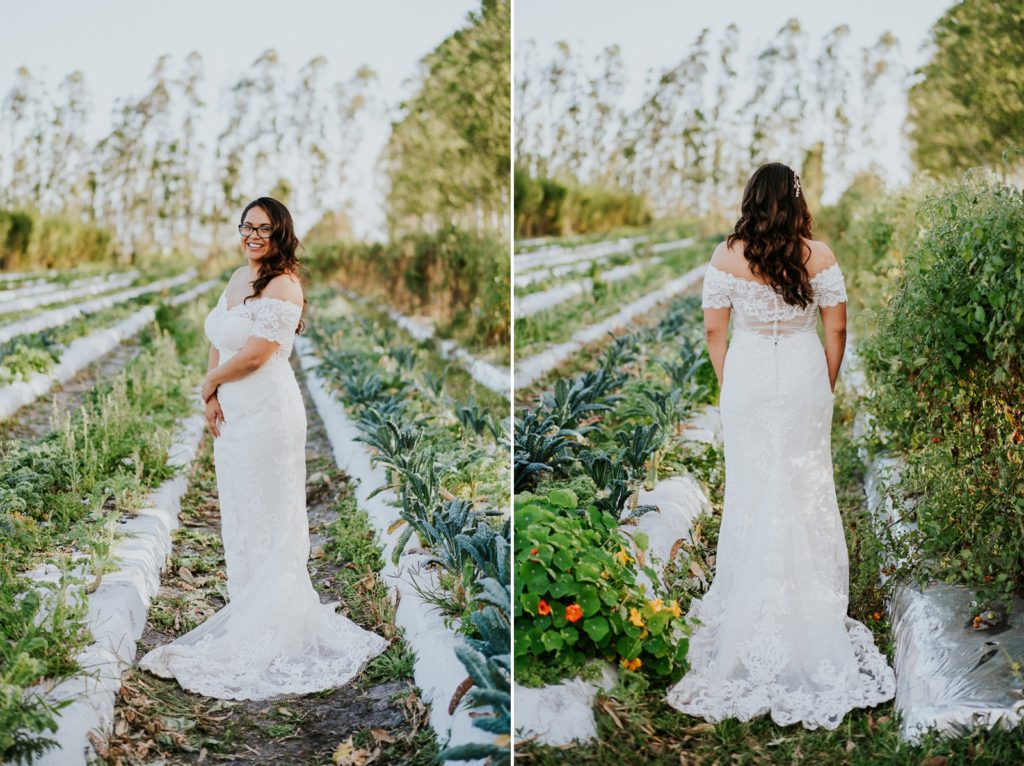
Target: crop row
445, 462
61, 500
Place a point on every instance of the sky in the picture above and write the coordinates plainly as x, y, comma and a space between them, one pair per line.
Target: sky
655, 34
115, 43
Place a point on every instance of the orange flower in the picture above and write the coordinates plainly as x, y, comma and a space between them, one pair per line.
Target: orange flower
543, 608
656, 606
631, 664
573, 612
533, 551
877, 615
622, 557
636, 618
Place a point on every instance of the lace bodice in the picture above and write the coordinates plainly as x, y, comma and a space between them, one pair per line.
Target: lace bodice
272, 318
758, 308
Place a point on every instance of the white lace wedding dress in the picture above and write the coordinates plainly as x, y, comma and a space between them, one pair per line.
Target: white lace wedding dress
775, 637
274, 636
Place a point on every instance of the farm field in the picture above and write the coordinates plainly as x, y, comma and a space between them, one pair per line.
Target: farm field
617, 463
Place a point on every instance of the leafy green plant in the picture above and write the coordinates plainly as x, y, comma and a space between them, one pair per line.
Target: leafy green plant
577, 597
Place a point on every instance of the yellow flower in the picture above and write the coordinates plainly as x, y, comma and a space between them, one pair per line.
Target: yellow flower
631, 664
622, 557
657, 605
645, 634
676, 611
604, 574
636, 618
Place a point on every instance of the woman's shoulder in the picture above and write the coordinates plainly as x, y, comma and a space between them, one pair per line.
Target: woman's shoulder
286, 287
821, 256
727, 257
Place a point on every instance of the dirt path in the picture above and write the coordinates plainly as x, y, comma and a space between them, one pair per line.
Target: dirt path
378, 718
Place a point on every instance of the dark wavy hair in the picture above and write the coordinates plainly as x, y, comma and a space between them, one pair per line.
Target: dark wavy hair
774, 220
282, 257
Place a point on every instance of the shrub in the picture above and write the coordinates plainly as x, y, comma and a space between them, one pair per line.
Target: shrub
945, 363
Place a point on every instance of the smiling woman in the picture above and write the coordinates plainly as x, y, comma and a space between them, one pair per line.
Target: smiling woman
274, 636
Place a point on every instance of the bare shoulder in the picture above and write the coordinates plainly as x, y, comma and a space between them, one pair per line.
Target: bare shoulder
286, 287
726, 258
821, 257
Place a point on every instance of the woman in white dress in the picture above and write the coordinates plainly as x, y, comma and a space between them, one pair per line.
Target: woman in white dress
274, 636
775, 636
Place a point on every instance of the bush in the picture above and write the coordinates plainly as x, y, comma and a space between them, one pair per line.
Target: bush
31, 241
945, 363
547, 207
577, 597
458, 278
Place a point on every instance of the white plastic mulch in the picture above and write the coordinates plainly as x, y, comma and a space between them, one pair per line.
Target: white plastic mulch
437, 671
79, 289
61, 316
543, 300
532, 368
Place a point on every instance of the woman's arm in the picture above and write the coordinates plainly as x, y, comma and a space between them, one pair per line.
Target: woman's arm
254, 354
716, 327
833, 319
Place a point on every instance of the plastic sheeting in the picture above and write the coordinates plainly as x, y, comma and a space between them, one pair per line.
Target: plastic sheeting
79, 289
533, 368
61, 316
82, 352
543, 300
949, 676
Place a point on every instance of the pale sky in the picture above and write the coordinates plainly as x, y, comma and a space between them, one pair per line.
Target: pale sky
115, 43
655, 34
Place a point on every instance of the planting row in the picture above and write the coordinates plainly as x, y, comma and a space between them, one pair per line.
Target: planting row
444, 462
570, 308
589, 588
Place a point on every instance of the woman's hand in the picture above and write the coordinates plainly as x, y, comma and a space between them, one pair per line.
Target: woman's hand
214, 415
209, 387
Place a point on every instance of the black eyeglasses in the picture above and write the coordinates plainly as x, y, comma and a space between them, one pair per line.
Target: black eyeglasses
263, 232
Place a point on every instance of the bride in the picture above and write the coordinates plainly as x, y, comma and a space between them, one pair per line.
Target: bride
274, 636
774, 634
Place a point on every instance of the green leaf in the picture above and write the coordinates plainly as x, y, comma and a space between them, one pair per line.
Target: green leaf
596, 627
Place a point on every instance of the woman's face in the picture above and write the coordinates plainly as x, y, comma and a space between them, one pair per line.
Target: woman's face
256, 244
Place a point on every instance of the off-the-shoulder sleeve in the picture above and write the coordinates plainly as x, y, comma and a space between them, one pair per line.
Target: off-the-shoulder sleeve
275, 320
830, 287
716, 290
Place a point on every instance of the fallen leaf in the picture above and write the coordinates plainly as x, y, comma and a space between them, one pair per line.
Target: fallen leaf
381, 736
850, 745
700, 728
935, 760
347, 754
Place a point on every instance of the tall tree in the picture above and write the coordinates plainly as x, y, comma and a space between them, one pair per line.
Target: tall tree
968, 106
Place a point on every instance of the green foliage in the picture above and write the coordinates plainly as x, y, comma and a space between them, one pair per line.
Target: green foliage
968, 107
31, 241
546, 207
945, 362
448, 157
458, 278
577, 596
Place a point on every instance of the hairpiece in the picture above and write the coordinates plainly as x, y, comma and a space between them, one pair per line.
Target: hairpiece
796, 184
